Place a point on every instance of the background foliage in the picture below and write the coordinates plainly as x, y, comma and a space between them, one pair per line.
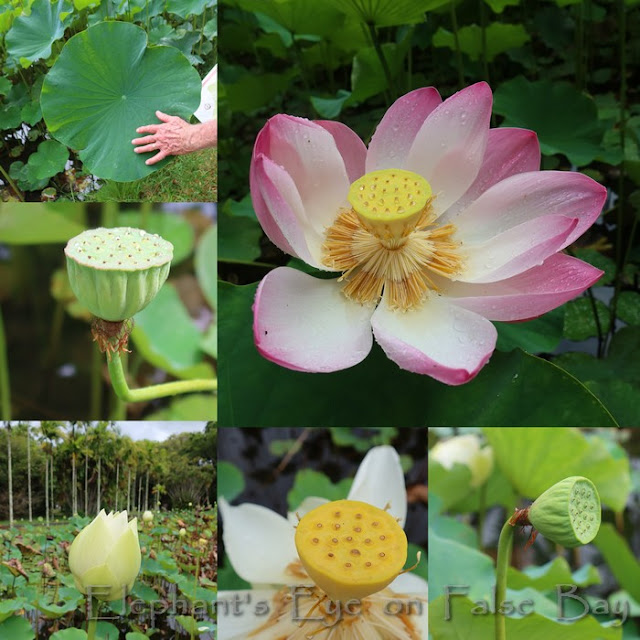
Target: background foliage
567, 69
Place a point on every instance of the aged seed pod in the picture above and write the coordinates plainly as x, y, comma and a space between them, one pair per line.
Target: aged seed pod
351, 549
568, 513
117, 272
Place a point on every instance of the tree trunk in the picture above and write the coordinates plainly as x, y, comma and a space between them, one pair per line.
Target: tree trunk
129, 490
86, 485
29, 475
74, 490
117, 481
146, 493
10, 476
140, 494
99, 480
52, 504
46, 488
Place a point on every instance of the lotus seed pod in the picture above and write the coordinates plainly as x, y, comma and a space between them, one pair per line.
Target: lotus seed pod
568, 513
117, 272
350, 549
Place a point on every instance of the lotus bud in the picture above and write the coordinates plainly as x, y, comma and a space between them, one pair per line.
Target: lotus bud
465, 450
147, 517
182, 533
568, 513
117, 272
351, 549
105, 557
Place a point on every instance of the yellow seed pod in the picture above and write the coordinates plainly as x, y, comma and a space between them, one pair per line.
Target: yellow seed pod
351, 549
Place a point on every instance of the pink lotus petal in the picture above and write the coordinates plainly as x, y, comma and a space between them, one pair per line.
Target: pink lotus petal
441, 340
509, 152
396, 132
308, 153
287, 224
449, 147
351, 148
529, 294
527, 196
307, 324
516, 250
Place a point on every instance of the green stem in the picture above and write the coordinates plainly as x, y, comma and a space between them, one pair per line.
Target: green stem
7, 177
92, 626
383, 61
483, 26
454, 24
505, 545
621, 255
119, 382
482, 511
5, 395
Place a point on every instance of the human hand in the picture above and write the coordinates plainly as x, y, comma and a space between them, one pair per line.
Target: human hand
172, 137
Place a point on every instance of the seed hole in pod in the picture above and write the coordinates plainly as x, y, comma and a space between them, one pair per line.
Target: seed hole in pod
319, 525
355, 552
334, 540
337, 514
331, 555
375, 524
349, 538
367, 564
358, 516
347, 564
357, 529
336, 526
89, 257
383, 537
367, 541
381, 554
315, 541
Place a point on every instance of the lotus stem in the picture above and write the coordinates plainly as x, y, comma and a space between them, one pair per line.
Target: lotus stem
13, 185
120, 386
383, 62
505, 545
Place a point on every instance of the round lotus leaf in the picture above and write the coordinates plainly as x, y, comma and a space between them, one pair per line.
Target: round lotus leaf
117, 272
105, 84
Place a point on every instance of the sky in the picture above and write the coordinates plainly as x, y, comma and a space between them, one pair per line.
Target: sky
147, 430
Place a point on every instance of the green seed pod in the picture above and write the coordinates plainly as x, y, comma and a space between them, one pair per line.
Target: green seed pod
568, 513
117, 272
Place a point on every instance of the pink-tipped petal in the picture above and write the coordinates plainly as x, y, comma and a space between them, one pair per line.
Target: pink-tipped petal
286, 225
308, 153
449, 147
439, 339
515, 250
307, 324
509, 152
397, 130
351, 148
527, 295
528, 196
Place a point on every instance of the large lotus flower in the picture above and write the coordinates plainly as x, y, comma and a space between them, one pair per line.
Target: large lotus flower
439, 227
105, 557
261, 546
465, 450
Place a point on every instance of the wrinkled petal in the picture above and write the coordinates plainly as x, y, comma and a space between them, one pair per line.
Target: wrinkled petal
249, 531
380, 481
308, 504
530, 294
393, 137
439, 339
351, 148
528, 196
410, 583
449, 147
309, 154
509, 152
307, 324
243, 603
517, 249
286, 225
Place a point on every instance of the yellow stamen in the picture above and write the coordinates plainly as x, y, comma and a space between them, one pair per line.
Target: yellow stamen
351, 549
389, 241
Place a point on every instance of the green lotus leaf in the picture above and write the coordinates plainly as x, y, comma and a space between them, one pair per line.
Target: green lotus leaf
31, 36
106, 83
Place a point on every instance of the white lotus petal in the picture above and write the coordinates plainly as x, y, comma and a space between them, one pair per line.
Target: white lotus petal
380, 480
237, 612
259, 543
410, 583
308, 504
